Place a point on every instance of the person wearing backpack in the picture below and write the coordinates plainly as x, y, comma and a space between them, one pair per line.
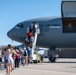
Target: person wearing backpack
25, 57
29, 53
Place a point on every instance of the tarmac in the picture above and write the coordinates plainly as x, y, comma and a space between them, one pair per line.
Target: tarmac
61, 67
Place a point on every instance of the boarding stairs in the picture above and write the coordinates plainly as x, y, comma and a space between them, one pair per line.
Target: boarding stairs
33, 52
34, 45
35, 40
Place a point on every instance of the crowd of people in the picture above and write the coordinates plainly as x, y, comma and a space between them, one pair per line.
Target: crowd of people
12, 58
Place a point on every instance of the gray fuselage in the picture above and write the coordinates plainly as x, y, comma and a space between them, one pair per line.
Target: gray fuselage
51, 33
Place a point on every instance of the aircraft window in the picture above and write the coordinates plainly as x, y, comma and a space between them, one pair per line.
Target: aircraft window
39, 25
20, 26
42, 24
17, 25
47, 24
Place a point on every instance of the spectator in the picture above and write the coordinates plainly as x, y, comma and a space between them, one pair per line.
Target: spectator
29, 53
0, 59
17, 58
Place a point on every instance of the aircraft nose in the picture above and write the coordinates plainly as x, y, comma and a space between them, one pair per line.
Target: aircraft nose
12, 33
8, 34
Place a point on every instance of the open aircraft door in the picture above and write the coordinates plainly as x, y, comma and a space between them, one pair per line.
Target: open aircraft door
68, 13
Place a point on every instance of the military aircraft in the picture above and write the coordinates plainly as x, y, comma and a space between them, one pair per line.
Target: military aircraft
55, 32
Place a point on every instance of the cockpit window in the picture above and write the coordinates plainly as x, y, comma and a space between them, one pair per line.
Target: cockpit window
17, 25
20, 26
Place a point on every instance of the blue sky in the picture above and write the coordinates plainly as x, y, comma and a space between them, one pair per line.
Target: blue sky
15, 11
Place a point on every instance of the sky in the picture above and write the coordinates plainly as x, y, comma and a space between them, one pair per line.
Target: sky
15, 11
